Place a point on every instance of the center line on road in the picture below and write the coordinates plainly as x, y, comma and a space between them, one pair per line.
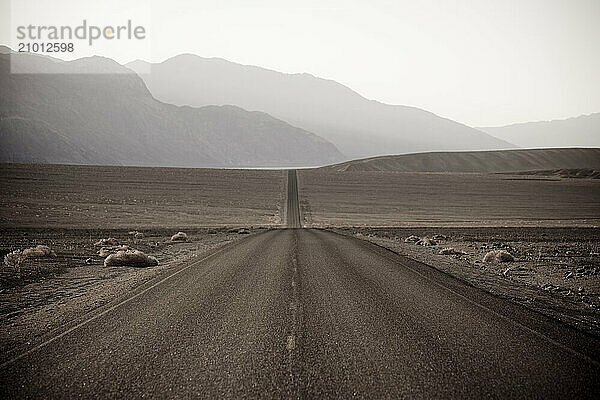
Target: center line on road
295, 312
291, 342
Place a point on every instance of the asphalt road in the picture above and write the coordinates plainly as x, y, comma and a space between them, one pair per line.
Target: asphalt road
302, 313
293, 205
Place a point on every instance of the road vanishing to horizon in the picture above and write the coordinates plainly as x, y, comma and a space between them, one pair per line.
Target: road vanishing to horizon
308, 313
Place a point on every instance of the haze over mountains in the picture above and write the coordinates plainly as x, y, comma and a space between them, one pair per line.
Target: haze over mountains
582, 131
479, 161
111, 118
357, 126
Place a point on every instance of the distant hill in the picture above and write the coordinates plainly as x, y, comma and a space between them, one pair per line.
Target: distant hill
582, 131
479, 161
111, 118
357, 126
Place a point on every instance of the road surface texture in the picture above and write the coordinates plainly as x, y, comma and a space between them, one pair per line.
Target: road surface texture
293, 204
302, 313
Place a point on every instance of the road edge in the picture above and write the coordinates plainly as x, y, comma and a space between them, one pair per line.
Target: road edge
557, 332
41, 341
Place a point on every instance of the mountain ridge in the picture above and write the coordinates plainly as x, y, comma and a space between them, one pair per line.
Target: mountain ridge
582, 130
358, 126
112, 117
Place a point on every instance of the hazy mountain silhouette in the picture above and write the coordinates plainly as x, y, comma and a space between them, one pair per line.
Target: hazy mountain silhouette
34, 141
479, 161
357, 126
111, 118
582, 131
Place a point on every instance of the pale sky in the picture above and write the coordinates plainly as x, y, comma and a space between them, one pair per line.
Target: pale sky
480, 62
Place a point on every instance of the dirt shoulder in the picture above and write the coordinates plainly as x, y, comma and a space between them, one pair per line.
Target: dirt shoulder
556, 270
52, 292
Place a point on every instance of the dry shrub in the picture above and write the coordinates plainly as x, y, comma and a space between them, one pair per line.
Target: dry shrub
498, 256
130, 258
412, 239
38, 251
426, 242
451, 251
439, 237
136, 234
179, 237
107, 242
13, 261
107, 251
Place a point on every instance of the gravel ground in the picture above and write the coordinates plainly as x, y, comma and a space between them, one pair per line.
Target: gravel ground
347, 199
71, 196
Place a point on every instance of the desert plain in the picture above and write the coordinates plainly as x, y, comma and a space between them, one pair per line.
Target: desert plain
549, 224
